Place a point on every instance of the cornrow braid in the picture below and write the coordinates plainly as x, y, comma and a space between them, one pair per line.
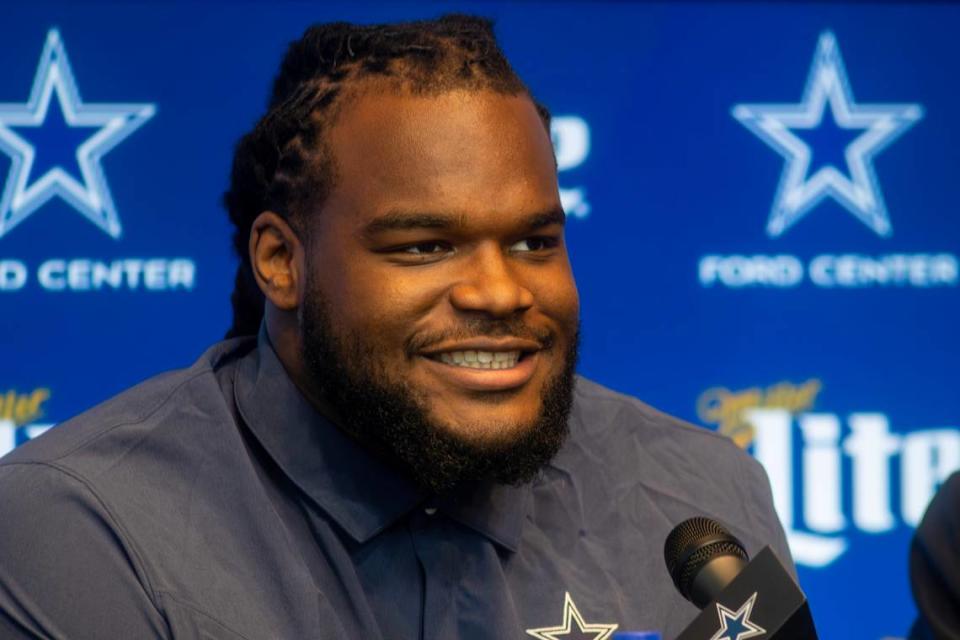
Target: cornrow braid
283, 164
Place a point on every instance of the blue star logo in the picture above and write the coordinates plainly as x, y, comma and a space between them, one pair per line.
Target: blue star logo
736, 625
801, 189
88, 194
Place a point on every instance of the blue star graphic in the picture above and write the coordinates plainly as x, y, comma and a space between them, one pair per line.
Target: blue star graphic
800, 190
110, 123
735, 628
736, 625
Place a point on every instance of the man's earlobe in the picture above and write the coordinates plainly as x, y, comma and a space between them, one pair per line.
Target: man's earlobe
276, 255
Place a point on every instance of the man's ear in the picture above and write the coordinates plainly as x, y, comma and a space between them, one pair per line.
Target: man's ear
276, 255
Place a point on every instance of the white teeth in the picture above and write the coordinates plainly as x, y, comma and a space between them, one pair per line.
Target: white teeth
481, 359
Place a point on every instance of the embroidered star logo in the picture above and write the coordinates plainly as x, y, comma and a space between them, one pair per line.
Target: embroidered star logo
856, 188
736, 625
89, 194
573, 626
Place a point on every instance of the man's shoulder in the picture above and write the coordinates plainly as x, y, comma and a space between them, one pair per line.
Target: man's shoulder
601, 410
183, 398
665, 457
133, 491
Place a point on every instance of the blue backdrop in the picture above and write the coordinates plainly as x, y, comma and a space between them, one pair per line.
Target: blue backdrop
764, 228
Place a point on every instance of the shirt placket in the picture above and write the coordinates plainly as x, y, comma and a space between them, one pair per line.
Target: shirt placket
436, 552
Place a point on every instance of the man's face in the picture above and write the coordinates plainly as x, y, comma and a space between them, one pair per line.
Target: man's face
438, 265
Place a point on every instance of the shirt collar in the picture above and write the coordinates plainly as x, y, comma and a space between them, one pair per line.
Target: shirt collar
362, 494
497, 511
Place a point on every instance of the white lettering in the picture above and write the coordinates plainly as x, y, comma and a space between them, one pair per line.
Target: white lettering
849, 271
821, 271
928, 458
34, 430
52, 275
871, 445
110, 275
944, 268
571, 141
574, 202
750, 271
181, 274
822, 511
773, 448
132, 269
8, 436
155, 275
13, 275
571, 145
80, 274
9, 430
913, 270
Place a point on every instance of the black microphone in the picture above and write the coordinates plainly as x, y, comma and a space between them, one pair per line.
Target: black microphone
739, 598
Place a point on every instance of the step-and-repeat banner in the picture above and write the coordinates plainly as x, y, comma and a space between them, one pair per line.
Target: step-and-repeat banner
763, 222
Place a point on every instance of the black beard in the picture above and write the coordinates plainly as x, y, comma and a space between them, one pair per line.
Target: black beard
389, 419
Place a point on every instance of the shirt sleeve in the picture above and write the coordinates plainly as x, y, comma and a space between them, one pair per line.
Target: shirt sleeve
935, 566
65, 569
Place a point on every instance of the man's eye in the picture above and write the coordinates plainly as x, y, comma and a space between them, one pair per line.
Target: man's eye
426, 248
536, 243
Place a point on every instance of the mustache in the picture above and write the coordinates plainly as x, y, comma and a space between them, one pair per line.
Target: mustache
481, 328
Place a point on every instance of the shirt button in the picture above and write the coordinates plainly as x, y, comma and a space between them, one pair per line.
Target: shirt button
430, 510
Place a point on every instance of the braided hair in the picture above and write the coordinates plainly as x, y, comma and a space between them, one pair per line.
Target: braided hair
283, 165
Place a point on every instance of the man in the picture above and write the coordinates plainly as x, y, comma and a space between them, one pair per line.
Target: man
403, 451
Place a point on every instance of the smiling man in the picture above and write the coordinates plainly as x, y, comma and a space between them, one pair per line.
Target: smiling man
431, 300
394, 443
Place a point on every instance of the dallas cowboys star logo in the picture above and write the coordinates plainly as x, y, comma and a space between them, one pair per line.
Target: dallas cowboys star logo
799, 190
566, 631
89, 195
736, 625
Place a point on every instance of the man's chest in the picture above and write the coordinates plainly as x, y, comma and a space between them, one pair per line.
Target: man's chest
433, 578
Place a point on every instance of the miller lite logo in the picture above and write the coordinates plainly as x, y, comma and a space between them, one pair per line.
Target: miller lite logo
777, 421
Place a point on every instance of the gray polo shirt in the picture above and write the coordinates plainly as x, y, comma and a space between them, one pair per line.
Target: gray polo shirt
215, 502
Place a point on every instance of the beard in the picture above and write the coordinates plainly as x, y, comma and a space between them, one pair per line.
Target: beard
391, 419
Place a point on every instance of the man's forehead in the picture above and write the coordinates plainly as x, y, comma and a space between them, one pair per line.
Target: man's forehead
447, 155
402, 123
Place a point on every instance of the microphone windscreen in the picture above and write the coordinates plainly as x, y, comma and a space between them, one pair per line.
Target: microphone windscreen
692, 546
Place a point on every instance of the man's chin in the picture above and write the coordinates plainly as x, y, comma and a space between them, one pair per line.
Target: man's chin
444, 441
487, 430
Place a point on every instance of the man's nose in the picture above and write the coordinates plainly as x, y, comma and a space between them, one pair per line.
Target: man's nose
490, 285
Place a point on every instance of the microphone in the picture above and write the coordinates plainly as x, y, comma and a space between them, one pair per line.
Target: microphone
739, 598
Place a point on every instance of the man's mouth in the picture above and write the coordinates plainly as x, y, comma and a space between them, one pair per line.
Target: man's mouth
481, 359
485, 364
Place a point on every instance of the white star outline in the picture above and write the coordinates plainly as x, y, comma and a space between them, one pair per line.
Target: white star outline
116, 122
724, 613
883, 123
571, 614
